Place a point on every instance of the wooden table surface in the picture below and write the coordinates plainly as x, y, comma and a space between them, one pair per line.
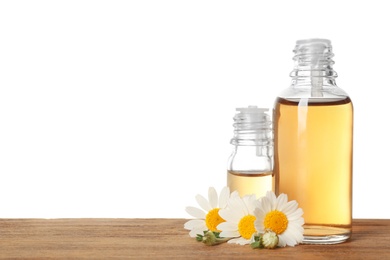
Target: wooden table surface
165, 238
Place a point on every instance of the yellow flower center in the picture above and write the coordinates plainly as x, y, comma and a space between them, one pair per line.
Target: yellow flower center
276, 221
213, 219
246, 226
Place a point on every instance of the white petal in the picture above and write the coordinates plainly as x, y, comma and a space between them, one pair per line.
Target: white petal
229, 234
249, 201
225, 214
297, 214
237, 204
203, 203
235, 194
224, 197
196, 213
259, 221
272, 197
234, 215
227, 226
240, 241
282, 242
295, 233
266, 205
260, 212
289, 207
287, 238
257, 204
230, 215
195, 232
296, 222
213, 197
259, 224
294, 212
195, 223
280, 202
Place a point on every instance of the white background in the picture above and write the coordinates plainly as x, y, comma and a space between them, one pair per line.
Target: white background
124, 108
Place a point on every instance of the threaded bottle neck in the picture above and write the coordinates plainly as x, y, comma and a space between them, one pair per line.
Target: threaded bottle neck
313, 58
252, 126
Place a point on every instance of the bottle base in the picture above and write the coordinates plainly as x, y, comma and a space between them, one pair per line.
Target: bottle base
325, 235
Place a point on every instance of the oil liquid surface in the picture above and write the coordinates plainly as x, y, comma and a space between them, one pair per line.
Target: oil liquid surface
247, 183
313, 163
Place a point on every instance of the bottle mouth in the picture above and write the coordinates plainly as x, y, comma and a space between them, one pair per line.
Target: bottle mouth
313, 50
313, 58
314, 41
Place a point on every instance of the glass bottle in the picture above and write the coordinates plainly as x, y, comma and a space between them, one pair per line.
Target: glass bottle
313, 124
250, 165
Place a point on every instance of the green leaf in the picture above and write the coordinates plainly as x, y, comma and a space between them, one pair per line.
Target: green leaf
256, 244
216, 234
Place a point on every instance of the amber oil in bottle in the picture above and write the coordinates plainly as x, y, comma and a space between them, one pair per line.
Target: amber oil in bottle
313, 145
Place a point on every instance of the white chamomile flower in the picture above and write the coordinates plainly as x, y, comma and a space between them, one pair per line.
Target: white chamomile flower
282, 217
207, 218
239, 216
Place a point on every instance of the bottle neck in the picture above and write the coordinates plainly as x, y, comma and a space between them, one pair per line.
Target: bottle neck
252, 140
252, 127
253, 150
313, 64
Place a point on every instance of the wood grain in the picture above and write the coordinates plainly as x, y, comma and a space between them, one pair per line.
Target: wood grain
163, 239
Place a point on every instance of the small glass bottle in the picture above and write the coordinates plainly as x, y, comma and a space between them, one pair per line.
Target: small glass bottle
313, 123
250, 165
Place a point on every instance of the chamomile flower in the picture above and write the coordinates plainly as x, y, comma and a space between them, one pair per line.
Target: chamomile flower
207, 218
240, 218
284, 218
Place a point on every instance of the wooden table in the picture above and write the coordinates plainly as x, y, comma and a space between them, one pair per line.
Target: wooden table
165, 238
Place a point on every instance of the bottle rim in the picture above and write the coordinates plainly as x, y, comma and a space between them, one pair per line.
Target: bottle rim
313, 40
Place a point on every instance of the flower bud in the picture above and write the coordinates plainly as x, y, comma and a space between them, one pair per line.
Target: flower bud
270, 239
209, 238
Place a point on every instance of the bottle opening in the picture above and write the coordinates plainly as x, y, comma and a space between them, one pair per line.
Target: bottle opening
252, 126
314, 41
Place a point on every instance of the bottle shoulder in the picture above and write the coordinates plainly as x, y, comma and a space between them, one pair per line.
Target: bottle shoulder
332, 93
313, 101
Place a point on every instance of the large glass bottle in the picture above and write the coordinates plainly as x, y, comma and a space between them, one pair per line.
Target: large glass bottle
251, 162
313, 126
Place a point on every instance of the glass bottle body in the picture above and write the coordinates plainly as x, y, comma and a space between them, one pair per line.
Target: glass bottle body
313, 128
250, 171
250, 165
